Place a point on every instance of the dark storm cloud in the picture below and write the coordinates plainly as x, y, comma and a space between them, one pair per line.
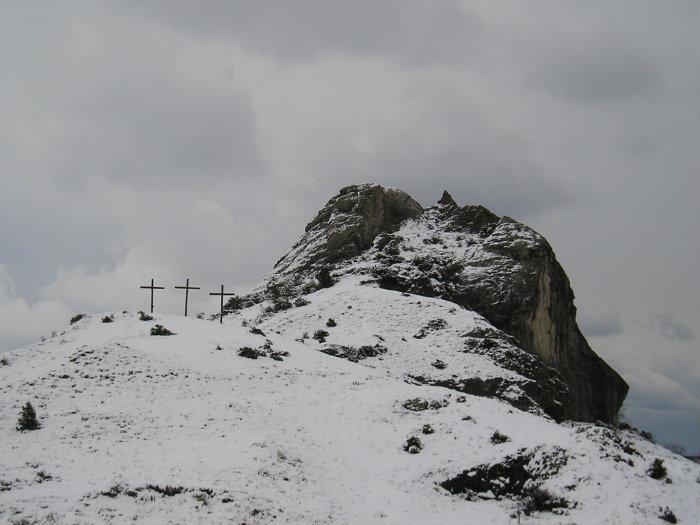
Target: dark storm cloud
423, 33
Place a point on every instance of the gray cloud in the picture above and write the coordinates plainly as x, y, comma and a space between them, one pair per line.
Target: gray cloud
667, 326
600, 74
600, 320
412, 31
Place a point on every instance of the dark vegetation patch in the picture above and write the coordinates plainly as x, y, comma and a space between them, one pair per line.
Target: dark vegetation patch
413, 445
428, 429
667, 515
539, 499
497, 438
324, 278
108, 319
233, 304
167, 490
320, 336
440, 365
27, 418
354, 354
610, 441
143, 316
435, 324
657, 469
159, 329
76, 318
250, 353
518, 477
256, 331
300, 301
4, 361
331, 323
418, 405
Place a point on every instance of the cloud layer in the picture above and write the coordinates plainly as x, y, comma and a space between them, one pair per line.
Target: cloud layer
174, 140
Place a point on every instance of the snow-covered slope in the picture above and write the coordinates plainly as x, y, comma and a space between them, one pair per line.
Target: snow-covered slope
183, 429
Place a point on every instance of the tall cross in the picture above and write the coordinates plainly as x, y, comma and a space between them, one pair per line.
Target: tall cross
187, 289
221, 293
152, 287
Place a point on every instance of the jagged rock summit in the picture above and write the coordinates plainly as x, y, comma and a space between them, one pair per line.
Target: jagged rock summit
492, 265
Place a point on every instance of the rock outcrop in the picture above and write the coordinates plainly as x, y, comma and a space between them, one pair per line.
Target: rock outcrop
495, 266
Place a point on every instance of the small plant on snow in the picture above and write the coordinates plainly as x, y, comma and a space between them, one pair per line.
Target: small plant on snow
248, 352
497, 438
540, 499
428, 429
300, 301
320, 336
76, 318
657, 469
331, 323
413, 445
159, 329
143, 316
200, 315
324, 278
256, 331
4, 361
440, 365
667, 515
108, 319
27, 418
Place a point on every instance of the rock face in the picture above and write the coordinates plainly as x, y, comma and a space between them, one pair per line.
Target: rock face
348, 225
495, 266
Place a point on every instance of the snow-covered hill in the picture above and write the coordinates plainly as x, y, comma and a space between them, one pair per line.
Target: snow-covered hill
398, 366
183, 429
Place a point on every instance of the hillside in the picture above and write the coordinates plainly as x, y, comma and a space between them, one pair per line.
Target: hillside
348, 387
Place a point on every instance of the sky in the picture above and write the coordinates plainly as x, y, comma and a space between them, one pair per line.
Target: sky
181, 139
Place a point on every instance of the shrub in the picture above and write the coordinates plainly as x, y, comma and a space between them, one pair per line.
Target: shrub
657, 469
143, 316
248, 352
159, 329
108, 319
324, 278
300, 301
497, 438
76, 318
541, 500
27, 418
218, 347
428, 429
331, 323
200, 315
320, 336
234, 303
4, 361
256, 331
413, 445
440, 365
667, 515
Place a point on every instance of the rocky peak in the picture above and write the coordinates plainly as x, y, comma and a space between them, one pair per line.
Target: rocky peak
348, 224
495, 266
446, 199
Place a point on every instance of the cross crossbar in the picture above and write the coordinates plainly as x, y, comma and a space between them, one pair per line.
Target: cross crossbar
221, 293
187, 289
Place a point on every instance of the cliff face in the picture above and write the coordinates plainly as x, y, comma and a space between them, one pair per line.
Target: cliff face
495, 266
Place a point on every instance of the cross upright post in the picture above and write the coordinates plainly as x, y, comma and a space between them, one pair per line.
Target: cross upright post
221, 293
152, 287
187, 289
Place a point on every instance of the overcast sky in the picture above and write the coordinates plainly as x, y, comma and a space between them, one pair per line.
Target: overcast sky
196, 139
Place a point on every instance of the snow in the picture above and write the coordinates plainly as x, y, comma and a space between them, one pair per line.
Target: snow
309, 439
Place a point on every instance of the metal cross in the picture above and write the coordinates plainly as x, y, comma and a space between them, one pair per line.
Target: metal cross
187, 289
152, 287
221, 317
